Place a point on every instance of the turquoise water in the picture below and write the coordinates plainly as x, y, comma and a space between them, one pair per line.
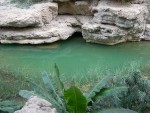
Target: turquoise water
75, 58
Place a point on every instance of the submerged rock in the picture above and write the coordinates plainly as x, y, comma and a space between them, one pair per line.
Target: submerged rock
37, 105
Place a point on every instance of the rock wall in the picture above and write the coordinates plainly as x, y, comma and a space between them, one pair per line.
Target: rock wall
100, 21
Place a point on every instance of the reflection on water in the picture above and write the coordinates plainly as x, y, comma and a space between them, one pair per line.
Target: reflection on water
74, 57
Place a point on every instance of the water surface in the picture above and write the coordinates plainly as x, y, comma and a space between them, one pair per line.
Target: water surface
75, 57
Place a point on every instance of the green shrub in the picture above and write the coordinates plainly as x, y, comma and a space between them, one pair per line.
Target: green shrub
72, 100
138, 95
10, 84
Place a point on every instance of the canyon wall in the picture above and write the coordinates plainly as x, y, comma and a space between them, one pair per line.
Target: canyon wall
100, 21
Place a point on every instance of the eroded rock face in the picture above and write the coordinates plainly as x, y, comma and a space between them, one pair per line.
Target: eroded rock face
37, 105
103, 34
117, 23
147, 32
100, 21
61, 28
37, 15
76, 7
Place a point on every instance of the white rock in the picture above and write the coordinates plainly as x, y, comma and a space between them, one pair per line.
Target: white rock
137, 1
103, 34
117, 23
37, 105
147, 32
37, 15
61, 28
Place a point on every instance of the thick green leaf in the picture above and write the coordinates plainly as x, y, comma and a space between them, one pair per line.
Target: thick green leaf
26, 94
76, 102
116, 110
111, 92
97, 88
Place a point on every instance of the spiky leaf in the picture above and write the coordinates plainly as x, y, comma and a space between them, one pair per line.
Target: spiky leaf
51, 90
76, 102
97, 88
9, 106
44, 94
107, 92
26, 94
60, 83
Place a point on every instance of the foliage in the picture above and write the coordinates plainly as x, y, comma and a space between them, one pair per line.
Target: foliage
10, 84
76, 102
138, 95
9, 106
116, 110
71, 100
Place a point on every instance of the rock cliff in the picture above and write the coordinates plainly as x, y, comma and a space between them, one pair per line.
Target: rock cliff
100, 21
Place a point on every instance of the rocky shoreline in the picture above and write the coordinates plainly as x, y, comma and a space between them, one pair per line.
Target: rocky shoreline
100, 21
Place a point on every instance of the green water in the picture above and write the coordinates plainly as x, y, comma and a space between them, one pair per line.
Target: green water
75, 58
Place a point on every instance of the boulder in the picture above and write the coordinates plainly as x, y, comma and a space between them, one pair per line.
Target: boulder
61, 28
120, 23
103, 34
37, 15
37, 105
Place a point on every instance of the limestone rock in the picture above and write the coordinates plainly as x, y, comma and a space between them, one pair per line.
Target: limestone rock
61, 28
103, 34
37, 15
100, 21
113, 11
117, 23
75, 8
37, 105
48, 11
137, 1
147, 32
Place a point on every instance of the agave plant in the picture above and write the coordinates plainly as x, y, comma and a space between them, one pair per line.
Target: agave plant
72, 100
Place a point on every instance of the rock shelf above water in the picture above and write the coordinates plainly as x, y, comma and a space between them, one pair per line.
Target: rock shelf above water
104, 22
